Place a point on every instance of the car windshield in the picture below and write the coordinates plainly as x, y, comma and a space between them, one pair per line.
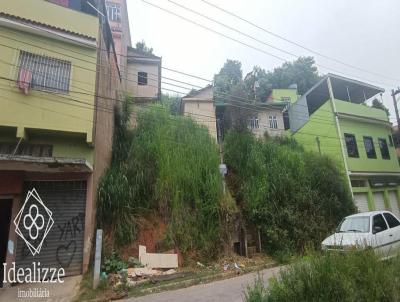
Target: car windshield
358, 224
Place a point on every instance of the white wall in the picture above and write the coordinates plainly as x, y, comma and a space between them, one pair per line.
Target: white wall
143, 91
202, 112
264, 126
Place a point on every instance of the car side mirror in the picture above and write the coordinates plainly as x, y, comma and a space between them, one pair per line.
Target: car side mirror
376, 229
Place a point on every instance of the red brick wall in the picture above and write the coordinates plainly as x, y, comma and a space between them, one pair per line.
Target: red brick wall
108, 85
10, 183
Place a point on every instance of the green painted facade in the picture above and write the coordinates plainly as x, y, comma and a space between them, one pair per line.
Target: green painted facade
359, 120
321, 126
64, 120
363, 163
282, 94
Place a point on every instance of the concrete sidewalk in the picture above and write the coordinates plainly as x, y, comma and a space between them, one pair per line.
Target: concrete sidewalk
58, 292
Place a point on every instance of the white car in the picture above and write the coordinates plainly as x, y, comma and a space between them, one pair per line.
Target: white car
379, 230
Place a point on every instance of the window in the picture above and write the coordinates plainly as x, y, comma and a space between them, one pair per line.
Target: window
369, 147
357, 183
253, 123
359, 224
142, 78
351, 145
390, 141
391, 220
273, 122
380, 223
384, 148
43, 73
113, 12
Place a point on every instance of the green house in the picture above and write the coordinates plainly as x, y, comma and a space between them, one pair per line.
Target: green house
332, 118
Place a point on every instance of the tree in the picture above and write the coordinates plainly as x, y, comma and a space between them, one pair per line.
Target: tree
172, 103
263, 89
378, 105
302, 72
229, 88
227, 79
142, 47
231, 72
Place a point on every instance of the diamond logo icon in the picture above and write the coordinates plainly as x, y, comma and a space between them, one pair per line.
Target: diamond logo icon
33, 222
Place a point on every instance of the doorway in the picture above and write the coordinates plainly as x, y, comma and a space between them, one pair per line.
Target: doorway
5, 219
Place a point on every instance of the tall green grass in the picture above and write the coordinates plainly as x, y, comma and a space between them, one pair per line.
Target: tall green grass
333, 277
295, 197
170, 169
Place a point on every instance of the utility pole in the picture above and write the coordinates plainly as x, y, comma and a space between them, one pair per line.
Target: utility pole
394, 93
222, 167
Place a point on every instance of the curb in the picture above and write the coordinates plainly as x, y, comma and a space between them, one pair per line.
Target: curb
201, 280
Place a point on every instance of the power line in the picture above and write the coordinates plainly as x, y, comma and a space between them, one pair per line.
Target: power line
250, 106
248, 45
171, 118
216, 94
129, 80
295, 43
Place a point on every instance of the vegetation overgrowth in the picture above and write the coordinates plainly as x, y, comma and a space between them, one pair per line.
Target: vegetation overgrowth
356, 276
167, 165
294, 197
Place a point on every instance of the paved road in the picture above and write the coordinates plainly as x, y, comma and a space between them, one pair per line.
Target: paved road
229, 290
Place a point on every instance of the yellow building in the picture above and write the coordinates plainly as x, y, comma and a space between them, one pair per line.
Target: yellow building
58, 83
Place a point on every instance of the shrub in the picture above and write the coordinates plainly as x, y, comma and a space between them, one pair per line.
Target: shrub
334, 277
295, 197
113, 264
171, 168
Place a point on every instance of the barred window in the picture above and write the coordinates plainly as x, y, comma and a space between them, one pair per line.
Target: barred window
273, 122
113, 11
253, 123
44, 73
38, 150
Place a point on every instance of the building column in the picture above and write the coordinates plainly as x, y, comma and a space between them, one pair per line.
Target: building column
386, 199
12, 237
371, 204
89, 224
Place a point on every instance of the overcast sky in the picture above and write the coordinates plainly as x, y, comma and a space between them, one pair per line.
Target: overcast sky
363, 33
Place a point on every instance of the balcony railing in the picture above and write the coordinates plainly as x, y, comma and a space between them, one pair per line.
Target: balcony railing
360, 110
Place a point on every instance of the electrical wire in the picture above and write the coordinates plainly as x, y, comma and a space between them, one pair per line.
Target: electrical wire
248, 45
295, 43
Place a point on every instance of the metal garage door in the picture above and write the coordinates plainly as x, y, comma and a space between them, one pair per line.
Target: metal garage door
379, 201
63, 245
393, 203
361, 201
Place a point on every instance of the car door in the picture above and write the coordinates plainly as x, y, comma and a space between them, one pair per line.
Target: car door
394, 233
381, 239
